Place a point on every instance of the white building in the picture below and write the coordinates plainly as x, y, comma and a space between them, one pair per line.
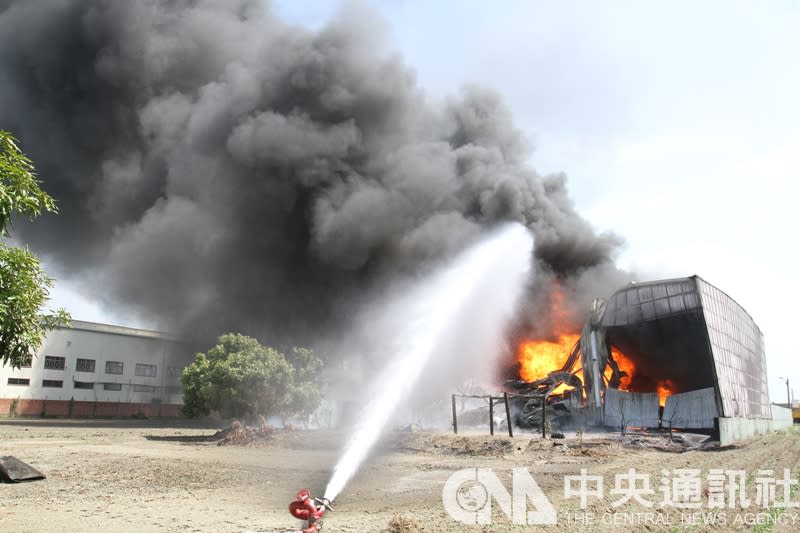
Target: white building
94, 369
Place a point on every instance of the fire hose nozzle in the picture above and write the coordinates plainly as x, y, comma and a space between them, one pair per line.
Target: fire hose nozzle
324, 502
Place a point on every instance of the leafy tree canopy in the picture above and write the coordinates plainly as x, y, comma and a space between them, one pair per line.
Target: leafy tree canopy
20, 193
305, 392
24, 287
241, 377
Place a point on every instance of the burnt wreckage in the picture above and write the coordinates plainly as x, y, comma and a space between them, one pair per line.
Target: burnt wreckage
676, 353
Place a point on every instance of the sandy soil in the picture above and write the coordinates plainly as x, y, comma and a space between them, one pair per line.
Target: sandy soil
157, 476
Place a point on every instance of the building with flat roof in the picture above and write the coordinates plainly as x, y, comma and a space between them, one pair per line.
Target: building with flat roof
92, 369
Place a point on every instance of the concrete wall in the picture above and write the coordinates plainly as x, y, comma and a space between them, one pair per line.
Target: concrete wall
732, 430
781, 417
78, 409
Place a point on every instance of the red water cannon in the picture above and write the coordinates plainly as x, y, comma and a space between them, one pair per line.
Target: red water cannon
309, 509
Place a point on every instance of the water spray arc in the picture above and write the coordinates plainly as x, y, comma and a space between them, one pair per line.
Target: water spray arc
436, 304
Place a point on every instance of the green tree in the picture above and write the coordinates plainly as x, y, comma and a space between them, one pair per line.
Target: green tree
24, 287
305, 392
241, 377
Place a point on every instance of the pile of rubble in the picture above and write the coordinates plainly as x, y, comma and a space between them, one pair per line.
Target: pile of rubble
402, 524
243, 435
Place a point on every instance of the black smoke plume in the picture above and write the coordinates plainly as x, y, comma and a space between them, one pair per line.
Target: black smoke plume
219, 169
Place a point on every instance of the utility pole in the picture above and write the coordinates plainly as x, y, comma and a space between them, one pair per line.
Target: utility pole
788, 393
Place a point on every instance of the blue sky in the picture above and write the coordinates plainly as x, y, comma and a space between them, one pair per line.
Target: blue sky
677, 123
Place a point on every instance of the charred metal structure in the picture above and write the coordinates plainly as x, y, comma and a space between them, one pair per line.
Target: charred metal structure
692, 334
684, 336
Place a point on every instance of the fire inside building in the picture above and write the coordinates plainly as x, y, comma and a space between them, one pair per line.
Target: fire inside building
670, 354
674, 354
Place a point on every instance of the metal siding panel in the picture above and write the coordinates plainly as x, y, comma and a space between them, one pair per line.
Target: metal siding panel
691, 410
738, 352
651, 301
640, 409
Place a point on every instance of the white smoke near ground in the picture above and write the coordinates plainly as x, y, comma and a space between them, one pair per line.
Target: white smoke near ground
218, 169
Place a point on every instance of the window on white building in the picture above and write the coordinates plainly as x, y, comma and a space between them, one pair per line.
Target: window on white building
174, 371
52, 383
19, 381
52, 362
148, 371
143, 388
83, 385
112, 386
114, 367
84, 365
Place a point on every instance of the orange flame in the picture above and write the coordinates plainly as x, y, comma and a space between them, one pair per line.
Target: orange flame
626, 365
664, 389
558, 308
539, 358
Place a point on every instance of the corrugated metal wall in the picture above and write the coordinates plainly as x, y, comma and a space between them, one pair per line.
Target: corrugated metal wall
691, 410
737, 346
716, 325
642, 302
638, 409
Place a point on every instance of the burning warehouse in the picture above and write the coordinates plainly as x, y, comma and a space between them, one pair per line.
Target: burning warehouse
677, 353
271, 180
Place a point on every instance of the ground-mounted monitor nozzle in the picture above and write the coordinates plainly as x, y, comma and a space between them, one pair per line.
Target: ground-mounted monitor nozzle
309, 509
324, 503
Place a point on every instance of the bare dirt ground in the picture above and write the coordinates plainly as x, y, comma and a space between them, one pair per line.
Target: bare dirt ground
158, 476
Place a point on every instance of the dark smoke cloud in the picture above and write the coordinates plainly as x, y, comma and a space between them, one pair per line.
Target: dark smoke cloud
219, 169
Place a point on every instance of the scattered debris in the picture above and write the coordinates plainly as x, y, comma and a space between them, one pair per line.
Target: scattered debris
12, 470
242, 435
666, 443
481, 446
402, 524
